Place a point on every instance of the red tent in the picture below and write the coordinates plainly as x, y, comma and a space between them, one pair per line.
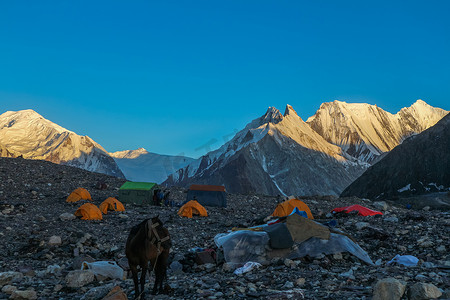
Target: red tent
362, 211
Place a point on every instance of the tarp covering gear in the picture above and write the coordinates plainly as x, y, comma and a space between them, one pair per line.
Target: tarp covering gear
242, 246
89, 211
208, 195
362, 211
192, 208
108, 269
280, 237
79, 194
111, 204
337, 243
286, 208
137, 192
302, 228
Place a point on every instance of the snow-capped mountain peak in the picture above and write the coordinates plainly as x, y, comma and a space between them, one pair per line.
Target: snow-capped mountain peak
290, 111
29, 134
366, 131
272, 115
22, 119
269, 147
129, 153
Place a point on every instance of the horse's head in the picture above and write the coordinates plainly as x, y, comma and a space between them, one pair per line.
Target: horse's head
157, 233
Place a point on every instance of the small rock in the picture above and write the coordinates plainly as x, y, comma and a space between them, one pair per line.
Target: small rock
228, 267
381, 205
427, 244
288, 285
116, 294
422, 290
8, 289
176, 267
388, 289
441, 249
421, 277
54, 270
391, 219
338, 256
98, 292
57, 288
21, 295
67, 217
348, 274
361, 225
218, 295
79, 278
300, 282
289, 263
7, 277
426, 208
54, 240
122, 216
428, 264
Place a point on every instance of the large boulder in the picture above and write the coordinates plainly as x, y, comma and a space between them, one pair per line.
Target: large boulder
79, 278
422, 291
388, 289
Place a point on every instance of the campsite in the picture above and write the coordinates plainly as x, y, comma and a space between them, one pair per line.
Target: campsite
44, 245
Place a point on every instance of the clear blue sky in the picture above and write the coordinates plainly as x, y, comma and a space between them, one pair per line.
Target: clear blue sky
171, 76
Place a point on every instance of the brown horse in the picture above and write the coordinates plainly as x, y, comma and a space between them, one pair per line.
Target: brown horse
148, 241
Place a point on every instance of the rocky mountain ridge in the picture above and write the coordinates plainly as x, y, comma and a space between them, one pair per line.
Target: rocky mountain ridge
419, 165
282, 154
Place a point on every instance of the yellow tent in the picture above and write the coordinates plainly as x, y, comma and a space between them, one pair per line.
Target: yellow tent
89, 211
285, 208
192, 208
79, 194
111, 204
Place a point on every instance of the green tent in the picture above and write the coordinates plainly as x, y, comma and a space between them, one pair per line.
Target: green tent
137, 192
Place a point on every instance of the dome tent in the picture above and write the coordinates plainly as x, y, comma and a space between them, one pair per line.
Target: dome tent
79, 194
111, 204
192, 208
286, 208
89, 211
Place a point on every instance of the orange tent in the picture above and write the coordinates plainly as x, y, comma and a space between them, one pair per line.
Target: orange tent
285, 208
192, 208
89, 211
79, 194
111, 204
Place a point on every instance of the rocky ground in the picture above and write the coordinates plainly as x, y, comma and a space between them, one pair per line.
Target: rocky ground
40, 249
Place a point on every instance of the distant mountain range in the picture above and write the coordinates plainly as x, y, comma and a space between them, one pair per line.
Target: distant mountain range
421, 164
282, 154
28, 134
274, 154
141, 165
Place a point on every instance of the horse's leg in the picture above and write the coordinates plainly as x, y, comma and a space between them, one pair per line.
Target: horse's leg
162, 268
144, 272
155, 271
135, 280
